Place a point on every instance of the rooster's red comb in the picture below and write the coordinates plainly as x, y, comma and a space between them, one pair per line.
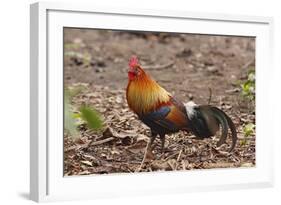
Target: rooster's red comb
133, 61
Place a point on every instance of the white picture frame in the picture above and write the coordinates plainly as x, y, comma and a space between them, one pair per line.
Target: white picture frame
46, 102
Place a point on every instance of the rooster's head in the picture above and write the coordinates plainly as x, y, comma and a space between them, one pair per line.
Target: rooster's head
135, 69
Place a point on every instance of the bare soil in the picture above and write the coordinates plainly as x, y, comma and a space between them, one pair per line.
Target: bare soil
191, 67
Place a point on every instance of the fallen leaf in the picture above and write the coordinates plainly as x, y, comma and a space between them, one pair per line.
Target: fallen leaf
88, 163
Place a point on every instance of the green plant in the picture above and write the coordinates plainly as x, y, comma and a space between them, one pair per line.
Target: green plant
248, 130
72, 46
69, 122
248, 87
86, 114
91, 117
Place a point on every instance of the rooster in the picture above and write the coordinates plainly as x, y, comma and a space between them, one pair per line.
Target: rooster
164, 114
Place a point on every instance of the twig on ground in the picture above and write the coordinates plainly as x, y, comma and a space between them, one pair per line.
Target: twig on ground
248, 63
101, 141
184, 165
234, 90
210, 96
178, 158
171, 165
159, 67
143, 159
70, 148
171, 156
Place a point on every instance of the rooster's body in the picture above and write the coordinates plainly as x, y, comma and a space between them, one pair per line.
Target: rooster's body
160, 111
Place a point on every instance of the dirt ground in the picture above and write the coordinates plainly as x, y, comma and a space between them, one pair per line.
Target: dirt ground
188, 66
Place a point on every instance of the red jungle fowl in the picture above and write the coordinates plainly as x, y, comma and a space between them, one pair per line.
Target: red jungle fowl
164, 114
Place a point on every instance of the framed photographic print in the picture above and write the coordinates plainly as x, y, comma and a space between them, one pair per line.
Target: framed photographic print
127, 102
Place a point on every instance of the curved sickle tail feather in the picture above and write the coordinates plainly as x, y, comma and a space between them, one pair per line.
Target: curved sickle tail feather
206, 120
233, 133
226, 123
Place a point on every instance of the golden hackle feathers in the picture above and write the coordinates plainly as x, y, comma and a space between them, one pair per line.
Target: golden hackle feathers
144, 94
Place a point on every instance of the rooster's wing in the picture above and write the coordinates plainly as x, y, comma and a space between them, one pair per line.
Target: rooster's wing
165, 119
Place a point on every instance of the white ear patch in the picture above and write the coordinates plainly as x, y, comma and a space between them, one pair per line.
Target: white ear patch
189, 107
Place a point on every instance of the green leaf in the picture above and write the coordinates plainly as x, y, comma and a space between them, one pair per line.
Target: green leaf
69, 121
243, 142
91, 117
248, 129
248, 87
251, 77
76, 115
71, 45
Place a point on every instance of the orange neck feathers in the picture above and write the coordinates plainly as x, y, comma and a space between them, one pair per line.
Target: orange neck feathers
145, 95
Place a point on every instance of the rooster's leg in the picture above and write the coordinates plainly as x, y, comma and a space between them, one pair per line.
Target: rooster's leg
152, 138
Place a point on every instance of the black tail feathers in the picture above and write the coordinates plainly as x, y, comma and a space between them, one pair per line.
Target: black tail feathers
206, 121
